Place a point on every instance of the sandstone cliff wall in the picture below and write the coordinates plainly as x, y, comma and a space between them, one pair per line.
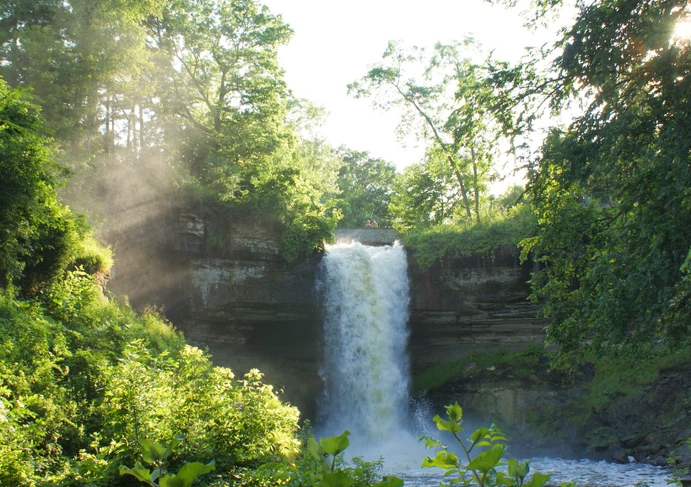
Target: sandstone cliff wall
461, 305
224, 284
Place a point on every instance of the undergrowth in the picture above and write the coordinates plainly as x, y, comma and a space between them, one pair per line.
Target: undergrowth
465, 240
437, 375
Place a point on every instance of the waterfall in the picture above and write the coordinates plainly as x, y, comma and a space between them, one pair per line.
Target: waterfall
365, 294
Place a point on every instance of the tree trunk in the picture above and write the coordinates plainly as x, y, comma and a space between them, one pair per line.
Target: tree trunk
476, 185
131, 120
112, 129
106, 144
141, 126
464, 192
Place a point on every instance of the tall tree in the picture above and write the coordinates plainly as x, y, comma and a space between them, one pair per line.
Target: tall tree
611, 189
225, 82
452, 105
423, 195
76, 55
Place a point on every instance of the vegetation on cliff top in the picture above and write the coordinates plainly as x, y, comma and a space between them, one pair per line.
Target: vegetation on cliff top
505, 228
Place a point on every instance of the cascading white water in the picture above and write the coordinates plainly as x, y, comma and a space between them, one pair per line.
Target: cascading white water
365, 295
365, 302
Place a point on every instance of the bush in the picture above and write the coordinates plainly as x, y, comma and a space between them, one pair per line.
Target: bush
435, 243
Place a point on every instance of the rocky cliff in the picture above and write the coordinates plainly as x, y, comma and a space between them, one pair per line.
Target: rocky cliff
461, 305
590, 412
223, 283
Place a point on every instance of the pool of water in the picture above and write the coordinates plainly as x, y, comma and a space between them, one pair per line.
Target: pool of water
585, 473
403, 456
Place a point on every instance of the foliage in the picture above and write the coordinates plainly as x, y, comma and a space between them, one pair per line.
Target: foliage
365, 185
423, 195
451, 241
480, 469
82, 59
79, 387
453, 106
156, 454
611, 189
161, 396
321, 464
39, 235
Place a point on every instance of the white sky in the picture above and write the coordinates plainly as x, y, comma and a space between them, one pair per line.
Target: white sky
337, 41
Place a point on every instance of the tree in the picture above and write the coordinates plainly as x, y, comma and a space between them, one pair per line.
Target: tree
611, 189
38, 235
365, 188
453, 105
423, 195
83, 60
225, 84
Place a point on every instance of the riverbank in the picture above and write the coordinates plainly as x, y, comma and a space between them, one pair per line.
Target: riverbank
619, 409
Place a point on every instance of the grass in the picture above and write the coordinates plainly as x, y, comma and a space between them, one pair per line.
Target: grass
522, 364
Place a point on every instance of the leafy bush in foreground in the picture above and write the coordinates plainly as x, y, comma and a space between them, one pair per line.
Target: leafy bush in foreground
83, 380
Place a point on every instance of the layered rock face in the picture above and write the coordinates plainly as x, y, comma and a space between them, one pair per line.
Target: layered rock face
224, 284
465, 304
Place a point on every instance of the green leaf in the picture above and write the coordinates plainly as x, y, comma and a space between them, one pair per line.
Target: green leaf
153, 452
478, 434
450, 426
518, 470
155, 475
486, 460
454, 412
431, 442
333, 445
538, 480
314, 449
389, 481
172, 445
443, 459
138, 472
506, 480
336, 479
187, 474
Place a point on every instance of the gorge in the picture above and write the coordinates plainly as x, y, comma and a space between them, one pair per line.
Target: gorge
222, 281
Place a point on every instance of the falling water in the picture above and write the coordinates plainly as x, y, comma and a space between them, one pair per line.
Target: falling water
366, 372
365, 369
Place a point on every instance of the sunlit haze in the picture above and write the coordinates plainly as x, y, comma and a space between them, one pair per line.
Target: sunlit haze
335, 43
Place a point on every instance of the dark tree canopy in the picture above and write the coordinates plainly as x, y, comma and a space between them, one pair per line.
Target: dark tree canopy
612, 188
39, 236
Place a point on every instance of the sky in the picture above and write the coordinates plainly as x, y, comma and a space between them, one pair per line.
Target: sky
335, 42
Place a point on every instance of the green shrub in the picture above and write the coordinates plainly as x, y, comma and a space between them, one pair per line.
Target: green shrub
440, 241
